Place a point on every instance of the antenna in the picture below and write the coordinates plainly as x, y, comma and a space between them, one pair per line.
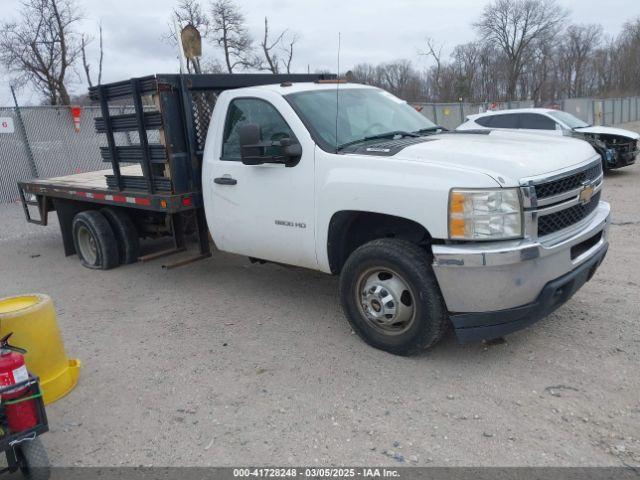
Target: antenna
337, 90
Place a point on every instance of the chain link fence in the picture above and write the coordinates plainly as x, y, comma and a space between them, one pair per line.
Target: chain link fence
450, 115
609, 111
15, 163
43, 141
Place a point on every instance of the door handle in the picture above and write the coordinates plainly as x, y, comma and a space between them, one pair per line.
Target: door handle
225, 181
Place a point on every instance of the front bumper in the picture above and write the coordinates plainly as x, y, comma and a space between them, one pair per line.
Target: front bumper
492, 289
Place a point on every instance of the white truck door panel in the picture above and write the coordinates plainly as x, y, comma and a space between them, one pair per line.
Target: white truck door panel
263, 211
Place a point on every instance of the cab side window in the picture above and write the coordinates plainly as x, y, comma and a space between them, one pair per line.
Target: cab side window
534, 121
252, 110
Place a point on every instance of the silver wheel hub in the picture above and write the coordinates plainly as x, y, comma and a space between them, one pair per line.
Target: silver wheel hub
386, 300
87, 245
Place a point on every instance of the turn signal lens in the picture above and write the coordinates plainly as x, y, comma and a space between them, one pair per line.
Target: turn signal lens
456, 227
456, 204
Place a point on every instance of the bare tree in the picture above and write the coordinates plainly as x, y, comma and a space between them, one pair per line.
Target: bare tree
101, 58
628, 46
288, 43
212, 66
365, 73
284, 43
514, 26
549, 66
188, 12
84, 41
267, 48
435, 53
398, 77
42, 45
578, 45
537, 73
465, 62
230, 33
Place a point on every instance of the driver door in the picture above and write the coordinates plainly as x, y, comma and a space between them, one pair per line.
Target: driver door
264, 211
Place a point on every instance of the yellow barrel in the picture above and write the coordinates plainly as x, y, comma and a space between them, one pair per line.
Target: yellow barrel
32, 319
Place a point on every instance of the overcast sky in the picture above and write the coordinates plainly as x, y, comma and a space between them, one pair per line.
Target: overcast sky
372, 31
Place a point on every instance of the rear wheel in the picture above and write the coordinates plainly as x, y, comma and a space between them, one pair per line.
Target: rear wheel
34, 461
126, 234
95, 241
391, 297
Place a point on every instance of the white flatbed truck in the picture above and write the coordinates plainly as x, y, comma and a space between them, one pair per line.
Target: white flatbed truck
486, 231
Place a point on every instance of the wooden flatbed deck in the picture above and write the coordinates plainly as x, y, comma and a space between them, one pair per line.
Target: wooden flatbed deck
92, 187
88, 180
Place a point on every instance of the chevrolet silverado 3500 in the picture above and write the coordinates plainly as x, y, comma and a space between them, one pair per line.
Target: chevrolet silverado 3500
488, 231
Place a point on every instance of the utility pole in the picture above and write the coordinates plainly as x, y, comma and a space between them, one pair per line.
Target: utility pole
23, 132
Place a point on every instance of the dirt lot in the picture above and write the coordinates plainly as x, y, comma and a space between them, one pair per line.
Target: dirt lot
226, 363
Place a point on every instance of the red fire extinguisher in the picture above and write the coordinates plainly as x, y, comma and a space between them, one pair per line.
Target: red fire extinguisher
21, 412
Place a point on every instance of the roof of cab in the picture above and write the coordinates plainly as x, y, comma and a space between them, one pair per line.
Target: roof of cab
294, 87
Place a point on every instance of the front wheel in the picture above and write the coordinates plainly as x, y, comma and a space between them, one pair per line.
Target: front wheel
391, 298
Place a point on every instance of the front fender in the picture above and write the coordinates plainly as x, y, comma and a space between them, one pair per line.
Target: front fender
407, 189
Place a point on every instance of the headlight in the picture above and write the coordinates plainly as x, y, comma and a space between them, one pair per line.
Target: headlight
485, 214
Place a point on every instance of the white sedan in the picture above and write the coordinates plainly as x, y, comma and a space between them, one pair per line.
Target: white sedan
617, 147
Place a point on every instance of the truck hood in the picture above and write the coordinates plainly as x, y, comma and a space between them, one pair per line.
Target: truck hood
509, 156
609, 131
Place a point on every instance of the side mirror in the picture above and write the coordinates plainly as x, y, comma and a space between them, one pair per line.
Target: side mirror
250, 149
254, 151
291, 149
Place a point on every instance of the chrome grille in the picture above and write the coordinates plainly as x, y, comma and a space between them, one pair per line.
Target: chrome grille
555, 203
565, 218
571, 182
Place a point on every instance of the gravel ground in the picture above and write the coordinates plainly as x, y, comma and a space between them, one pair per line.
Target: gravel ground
228, 363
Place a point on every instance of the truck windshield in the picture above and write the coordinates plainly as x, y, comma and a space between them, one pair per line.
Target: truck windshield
362, 113
568, 119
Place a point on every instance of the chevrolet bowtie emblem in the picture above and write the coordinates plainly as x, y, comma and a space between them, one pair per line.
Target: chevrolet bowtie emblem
585, 194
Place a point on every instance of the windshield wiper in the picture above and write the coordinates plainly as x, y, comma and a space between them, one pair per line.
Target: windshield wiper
380, 135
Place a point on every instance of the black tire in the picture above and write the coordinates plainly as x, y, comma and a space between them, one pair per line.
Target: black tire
126, 234
94, 241
411, 264
34, 461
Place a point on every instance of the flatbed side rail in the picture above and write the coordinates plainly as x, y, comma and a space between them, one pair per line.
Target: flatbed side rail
165, 203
